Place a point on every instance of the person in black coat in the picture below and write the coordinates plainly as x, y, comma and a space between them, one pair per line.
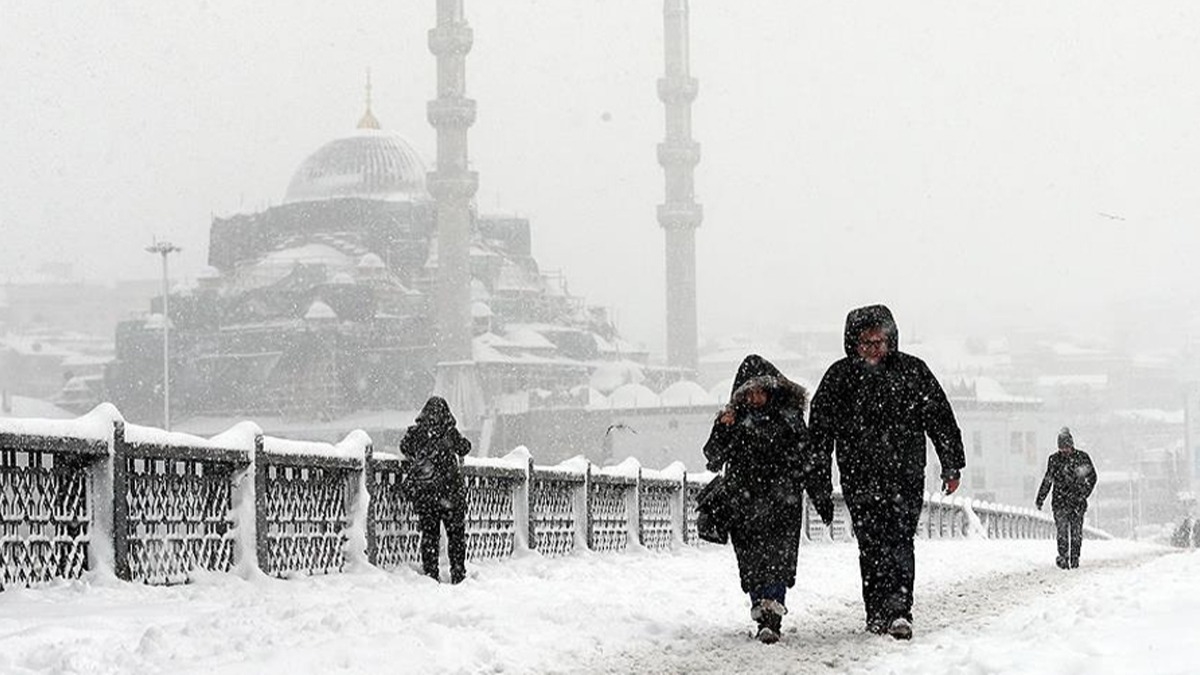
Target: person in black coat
760, 440
433, 482
874, 409
1072, 476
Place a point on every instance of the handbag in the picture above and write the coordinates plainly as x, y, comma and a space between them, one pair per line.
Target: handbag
712, 511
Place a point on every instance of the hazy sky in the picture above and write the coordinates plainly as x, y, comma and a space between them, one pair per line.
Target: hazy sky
965, 162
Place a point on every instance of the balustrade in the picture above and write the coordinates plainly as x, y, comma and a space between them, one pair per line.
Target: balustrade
172, 504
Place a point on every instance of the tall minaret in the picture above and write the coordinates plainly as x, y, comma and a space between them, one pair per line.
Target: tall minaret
680, 215
453, 187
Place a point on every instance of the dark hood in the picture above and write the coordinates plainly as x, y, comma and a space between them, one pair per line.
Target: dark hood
871, 316
436, 415
759, 373
753, 366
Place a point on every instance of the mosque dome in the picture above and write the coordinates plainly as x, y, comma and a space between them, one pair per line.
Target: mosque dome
370, 164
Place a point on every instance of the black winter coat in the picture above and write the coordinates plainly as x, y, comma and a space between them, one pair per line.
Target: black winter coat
1072, 476
876, 418
764, 453
431, 448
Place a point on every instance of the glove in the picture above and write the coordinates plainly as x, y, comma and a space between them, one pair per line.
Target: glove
1039, 505
950, 480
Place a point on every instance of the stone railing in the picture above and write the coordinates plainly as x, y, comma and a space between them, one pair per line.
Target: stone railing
151, 506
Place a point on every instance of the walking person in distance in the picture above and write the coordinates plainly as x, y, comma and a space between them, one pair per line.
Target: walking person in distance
433, 482
1071, 475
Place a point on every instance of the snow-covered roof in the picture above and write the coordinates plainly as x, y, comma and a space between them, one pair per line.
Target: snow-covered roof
1094, 380
24, 406
612, 374
1152, 415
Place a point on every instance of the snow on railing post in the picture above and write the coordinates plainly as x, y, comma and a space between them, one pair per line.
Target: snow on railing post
524, 523
100, 491
370, 487
587, 506
120, 503
804, 518
357, 504
260, 505
634, 509
679, 511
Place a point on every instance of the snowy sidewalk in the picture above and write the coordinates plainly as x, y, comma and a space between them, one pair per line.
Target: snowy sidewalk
998, 606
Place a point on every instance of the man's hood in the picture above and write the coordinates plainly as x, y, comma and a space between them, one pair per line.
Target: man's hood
871, 316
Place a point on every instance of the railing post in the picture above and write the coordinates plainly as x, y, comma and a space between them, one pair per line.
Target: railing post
682, 521
634, 508
587, 508
260, 506
804, 518
523, 510
369, 483
120, 503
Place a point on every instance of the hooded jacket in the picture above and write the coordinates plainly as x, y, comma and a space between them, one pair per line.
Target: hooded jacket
876, 418
765, 451
431, 448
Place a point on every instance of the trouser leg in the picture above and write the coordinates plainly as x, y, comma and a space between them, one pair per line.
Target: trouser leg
430, 525
456, 541
1062, 526
1076, 538
872, 565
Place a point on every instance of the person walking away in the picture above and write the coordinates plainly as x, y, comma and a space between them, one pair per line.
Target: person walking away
1072, 476
761, 442
873, 410
433, 481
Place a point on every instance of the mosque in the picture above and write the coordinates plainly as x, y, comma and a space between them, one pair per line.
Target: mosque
377, 282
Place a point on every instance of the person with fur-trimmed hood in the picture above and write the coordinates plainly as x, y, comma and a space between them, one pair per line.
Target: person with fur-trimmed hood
761, 442
873, 409
1072, 476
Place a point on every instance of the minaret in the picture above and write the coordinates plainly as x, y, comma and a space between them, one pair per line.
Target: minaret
680, 215
453, 187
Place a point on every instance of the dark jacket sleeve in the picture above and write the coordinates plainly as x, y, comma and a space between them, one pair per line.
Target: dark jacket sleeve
1047, 482
462, 447
941, 426
716, 449
822, 439
409, 447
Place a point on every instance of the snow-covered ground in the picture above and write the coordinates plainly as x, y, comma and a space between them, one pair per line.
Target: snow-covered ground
981, 607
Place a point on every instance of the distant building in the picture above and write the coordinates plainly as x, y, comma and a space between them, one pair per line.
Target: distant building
322, 307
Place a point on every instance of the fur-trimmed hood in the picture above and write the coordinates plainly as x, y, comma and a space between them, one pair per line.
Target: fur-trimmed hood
781, 392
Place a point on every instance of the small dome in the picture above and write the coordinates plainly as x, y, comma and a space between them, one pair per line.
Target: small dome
686, 393
370, 261
368, 164
634, 396
319, 311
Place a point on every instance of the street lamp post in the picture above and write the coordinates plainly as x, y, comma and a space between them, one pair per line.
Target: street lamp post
164, 248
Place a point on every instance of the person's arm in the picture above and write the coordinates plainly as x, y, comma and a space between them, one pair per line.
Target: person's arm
943, 430
716, 449
821, 443
462, 446
1047, 482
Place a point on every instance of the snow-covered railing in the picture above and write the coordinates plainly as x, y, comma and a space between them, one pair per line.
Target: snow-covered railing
147, 505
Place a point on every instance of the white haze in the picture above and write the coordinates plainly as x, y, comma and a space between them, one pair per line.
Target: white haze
975, 164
